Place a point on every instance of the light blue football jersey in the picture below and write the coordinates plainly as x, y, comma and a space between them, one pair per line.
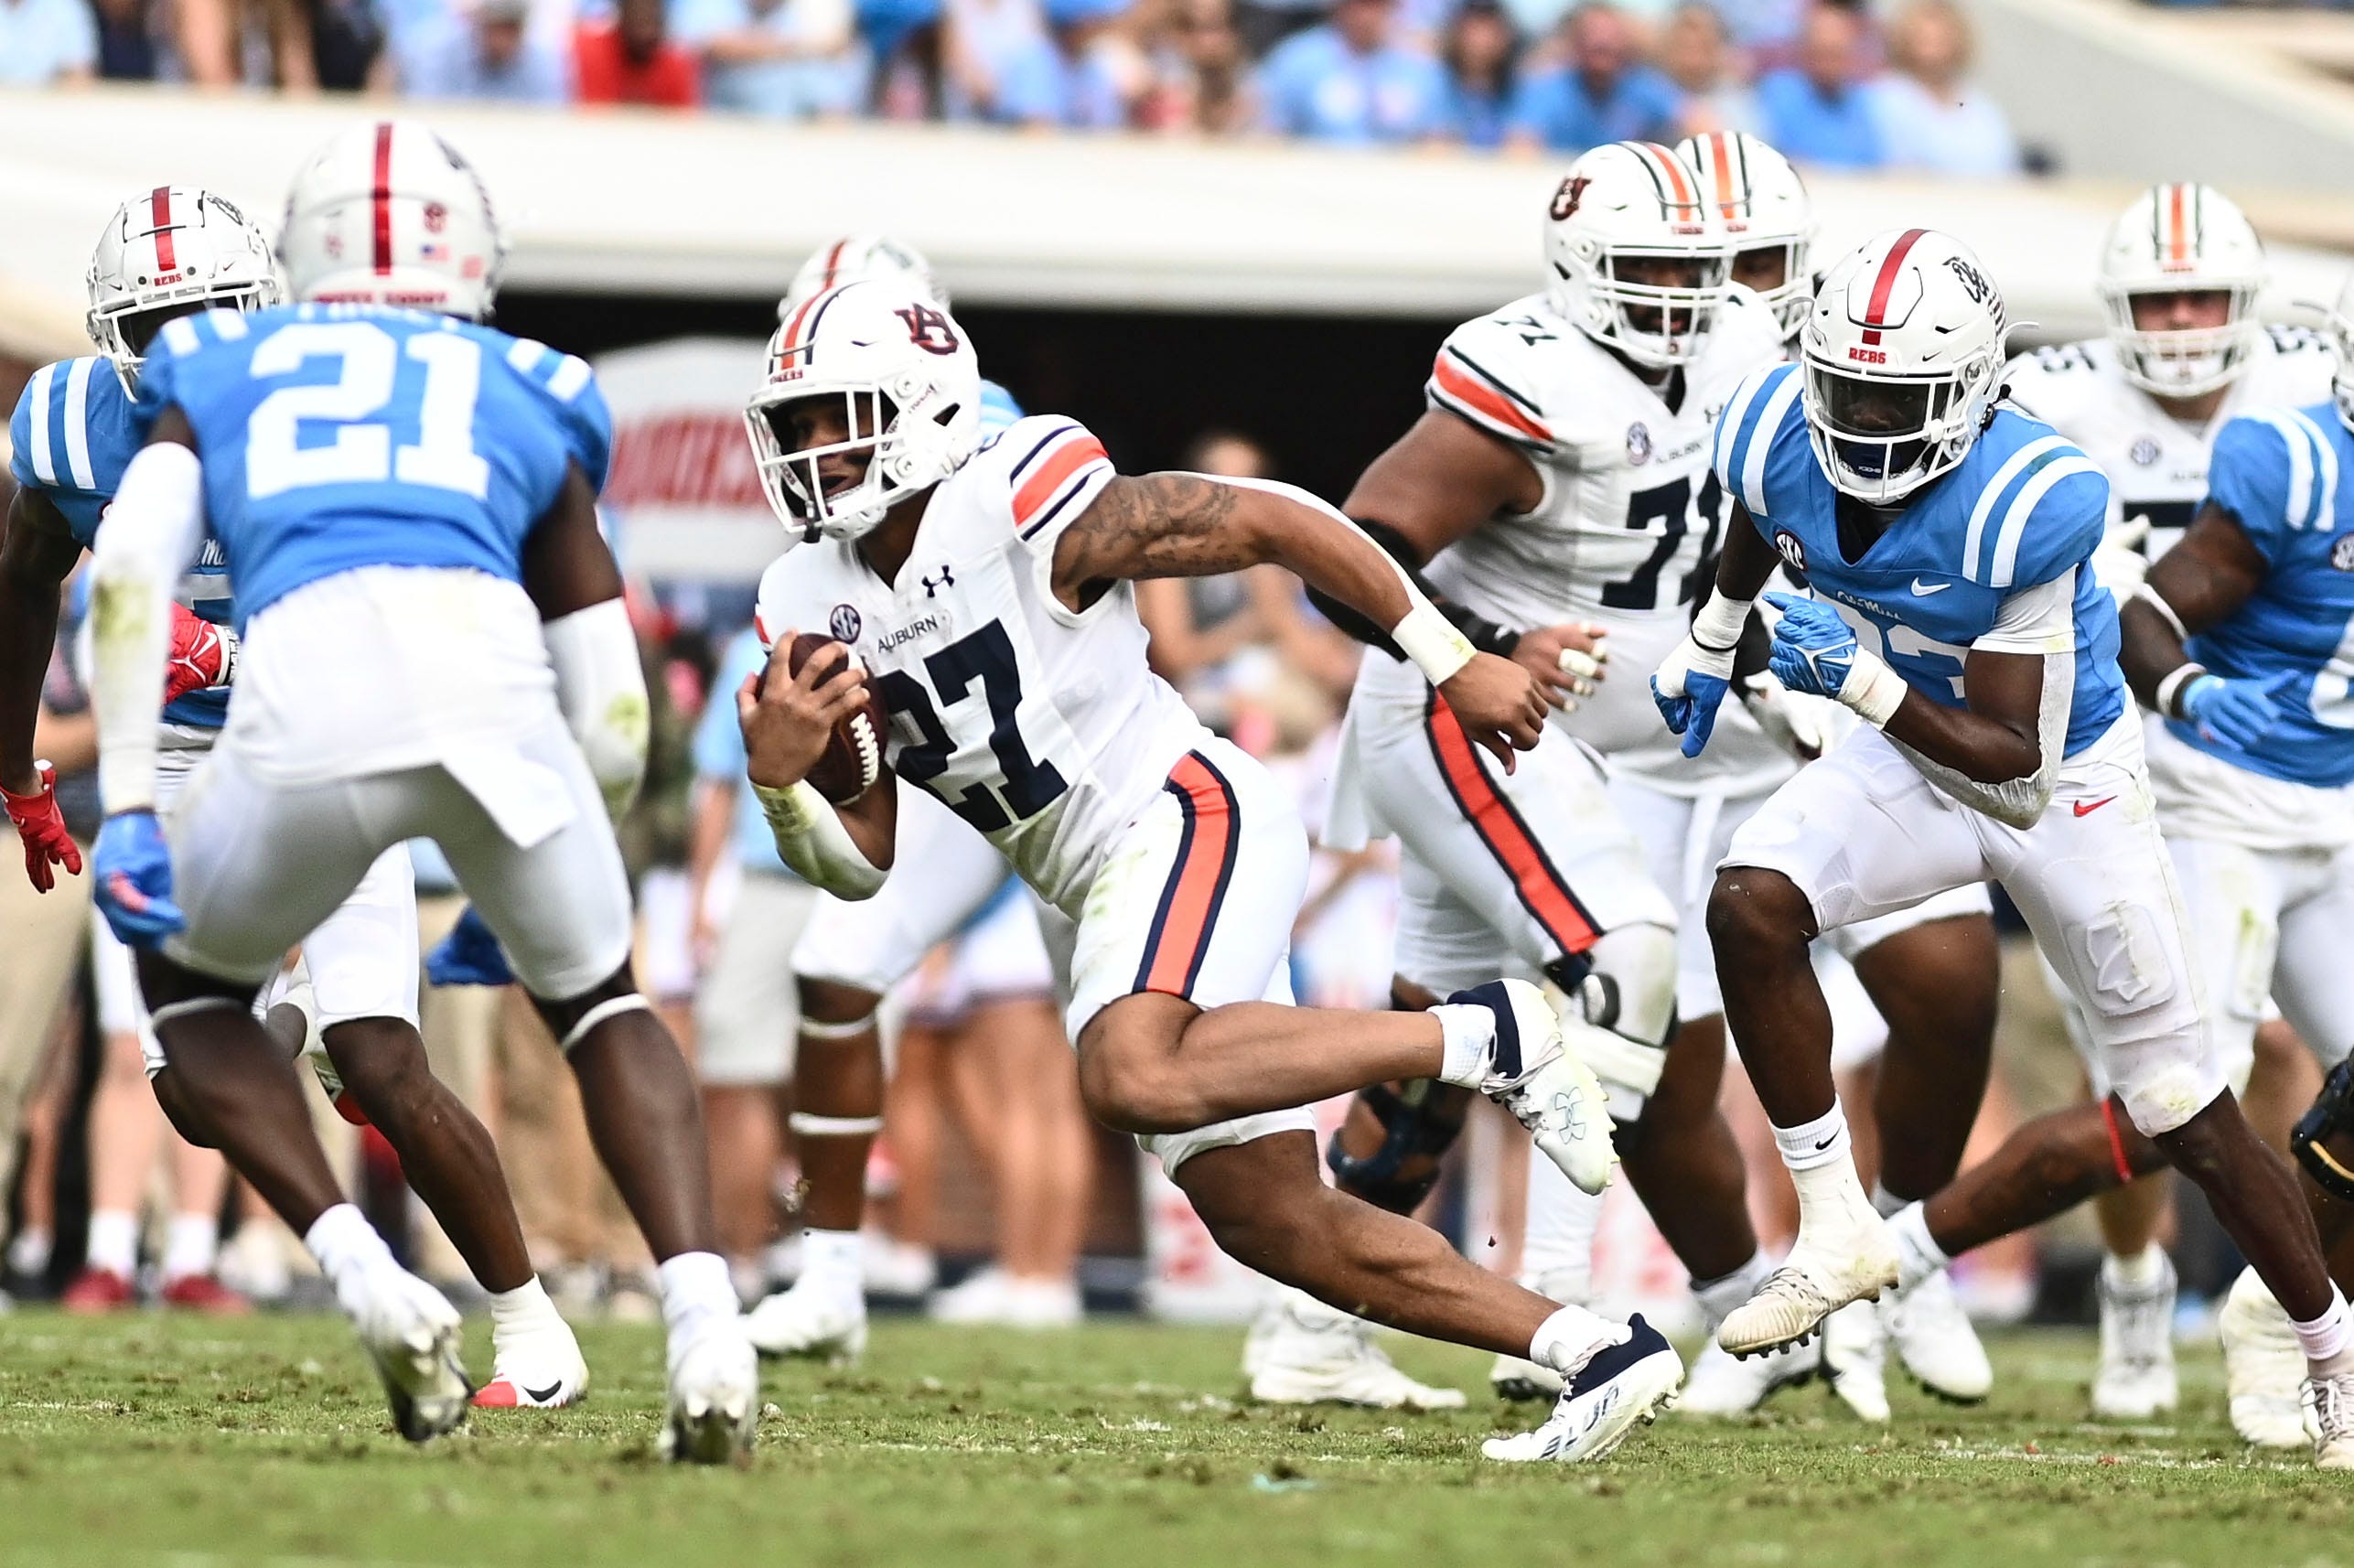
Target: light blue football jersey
998, 409
337, 437
2276, 473
2020, 509
74, 432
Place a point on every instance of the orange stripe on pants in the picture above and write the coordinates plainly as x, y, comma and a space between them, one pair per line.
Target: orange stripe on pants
1180, 932
1499, 827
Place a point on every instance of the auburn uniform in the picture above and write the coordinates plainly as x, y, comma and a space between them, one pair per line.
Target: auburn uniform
1045, 728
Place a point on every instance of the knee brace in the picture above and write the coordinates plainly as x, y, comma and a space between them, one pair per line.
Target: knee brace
2332, 1113
1624, 986
1419, 1121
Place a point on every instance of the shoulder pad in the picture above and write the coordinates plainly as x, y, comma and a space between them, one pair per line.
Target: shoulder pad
1761, 407
1483, 375
2039, 509
569, 388
1037, 472
2276, 468
48, 433
2289, 338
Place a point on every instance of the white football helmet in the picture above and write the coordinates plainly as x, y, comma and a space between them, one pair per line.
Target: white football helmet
1902, 357
164, 253
1624, 208
908, 387
2177, 239
1765, 206
388, 213
2341, 340
861, 256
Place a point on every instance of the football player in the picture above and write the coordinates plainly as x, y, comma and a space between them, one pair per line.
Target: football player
1955, 539
984, 592
2184, 356
166, 254
404, 497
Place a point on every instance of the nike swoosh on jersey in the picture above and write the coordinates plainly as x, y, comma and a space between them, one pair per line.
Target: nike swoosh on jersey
2086, 808
1922, 590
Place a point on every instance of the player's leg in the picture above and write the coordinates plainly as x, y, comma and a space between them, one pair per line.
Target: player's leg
1855, 835
125, 1134
559, 906
255, 867
743, 1035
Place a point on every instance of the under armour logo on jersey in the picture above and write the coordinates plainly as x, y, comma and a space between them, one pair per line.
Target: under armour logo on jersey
843, 623
946, 580
1565, 199
929, 329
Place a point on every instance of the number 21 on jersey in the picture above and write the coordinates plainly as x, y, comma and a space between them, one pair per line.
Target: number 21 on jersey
437, 411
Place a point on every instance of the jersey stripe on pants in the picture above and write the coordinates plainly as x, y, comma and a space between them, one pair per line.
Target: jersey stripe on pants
1187, 912
1542, 890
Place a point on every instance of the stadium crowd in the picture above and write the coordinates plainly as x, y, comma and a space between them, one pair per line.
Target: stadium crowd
1834, 82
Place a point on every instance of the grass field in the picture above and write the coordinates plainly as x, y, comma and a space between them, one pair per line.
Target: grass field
263, 1444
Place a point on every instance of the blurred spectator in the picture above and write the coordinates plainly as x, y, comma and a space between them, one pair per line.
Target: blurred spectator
1203, 73
1602, 94
1107, 80
629, 58
45, 41
1697, 56
998, 64
1821, 110
337, 46
1351, 80
489, 56
1481, 54
1931, 116
128, 46
788, 59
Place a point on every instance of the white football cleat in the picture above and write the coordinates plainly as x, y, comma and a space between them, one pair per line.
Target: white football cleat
1855, 1361
540, 1368
414, 1335
715, 1395
1621, 1386
1935, 1342
2136, 1379
823, 1321
1537, 1073
1813, 1283
2264, 1366
1300, 1351
2328, 1418
1722, 1384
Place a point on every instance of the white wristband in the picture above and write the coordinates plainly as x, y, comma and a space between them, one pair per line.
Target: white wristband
1721, 621
2170, 686
1873, 688
1432, 642
792, 811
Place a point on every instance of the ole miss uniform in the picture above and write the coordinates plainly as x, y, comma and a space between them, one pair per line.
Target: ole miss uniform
1180, 862
1992, 556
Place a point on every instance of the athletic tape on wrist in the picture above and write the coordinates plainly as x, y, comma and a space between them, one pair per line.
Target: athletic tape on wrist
791, 810
1879, 695
611, 1007
813, 1030
1718, 626
2171, 685
1432, 642
809, 1126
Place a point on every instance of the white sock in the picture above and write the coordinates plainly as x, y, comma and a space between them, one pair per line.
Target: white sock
1719, 1297
191, 1246
1557, 1250
2141, 1271
694, 1285
28, 1252
1885, 1203
833, 1258
344, 1243
1917, 1254
1568, 1339
113, 1244
1812, 1145
520, 1310
1468, 1031
2329, 1340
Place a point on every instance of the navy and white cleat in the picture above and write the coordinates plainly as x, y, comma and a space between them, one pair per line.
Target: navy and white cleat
1621, 1386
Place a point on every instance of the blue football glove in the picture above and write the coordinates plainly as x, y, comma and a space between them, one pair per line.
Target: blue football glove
1689, 686
469, 955
2239, 713
133, 880
1815, 650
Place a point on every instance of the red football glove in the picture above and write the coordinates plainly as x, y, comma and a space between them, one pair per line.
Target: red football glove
203, 655
43, 830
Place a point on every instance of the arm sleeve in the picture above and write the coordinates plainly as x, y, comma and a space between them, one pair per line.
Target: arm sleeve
2038, 620
601, 687
151, 537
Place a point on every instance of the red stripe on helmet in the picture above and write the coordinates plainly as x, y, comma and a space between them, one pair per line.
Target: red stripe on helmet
159, 217
2178, 245
834, 261
1885, 283
382, 198
1720, 148
1678, 181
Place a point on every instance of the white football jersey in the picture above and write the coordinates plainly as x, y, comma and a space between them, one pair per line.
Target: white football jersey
1042, 726
2157, 462
1630, 507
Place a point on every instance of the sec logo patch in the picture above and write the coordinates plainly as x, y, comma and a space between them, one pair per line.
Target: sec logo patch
843, 623
1639, 444
2341, 553
1792, 548
2144, 451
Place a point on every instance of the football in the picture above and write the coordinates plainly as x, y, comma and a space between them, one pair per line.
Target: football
854, 757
